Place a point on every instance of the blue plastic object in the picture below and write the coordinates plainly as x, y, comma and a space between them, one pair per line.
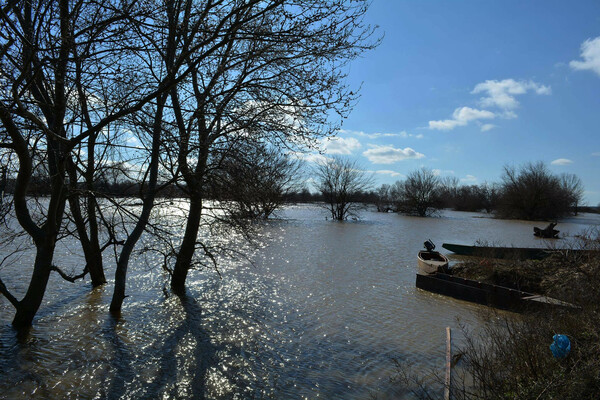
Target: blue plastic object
561, 346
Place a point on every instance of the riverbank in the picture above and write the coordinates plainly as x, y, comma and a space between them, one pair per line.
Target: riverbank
511, 358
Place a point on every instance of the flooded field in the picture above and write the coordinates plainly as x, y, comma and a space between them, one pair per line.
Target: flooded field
321, 310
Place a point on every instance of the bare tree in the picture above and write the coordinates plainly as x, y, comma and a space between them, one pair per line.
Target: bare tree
339, 181
533, 192
383, 198
278, 80
418, 194
59, 61
45, 48
573, 189
256, 178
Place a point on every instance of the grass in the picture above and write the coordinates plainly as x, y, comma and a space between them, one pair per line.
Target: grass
510, 357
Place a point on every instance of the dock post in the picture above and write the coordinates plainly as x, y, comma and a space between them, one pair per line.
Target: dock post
448, 364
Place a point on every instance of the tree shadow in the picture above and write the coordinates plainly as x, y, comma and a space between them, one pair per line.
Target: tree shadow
204, 354
167, 382
120, 362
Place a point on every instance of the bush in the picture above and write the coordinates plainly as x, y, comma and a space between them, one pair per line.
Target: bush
419, 194
534, 193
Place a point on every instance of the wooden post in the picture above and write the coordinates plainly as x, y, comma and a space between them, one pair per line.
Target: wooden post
448, 364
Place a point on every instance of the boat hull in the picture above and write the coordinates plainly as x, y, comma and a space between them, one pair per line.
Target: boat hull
484, 293
517, 253
431, 261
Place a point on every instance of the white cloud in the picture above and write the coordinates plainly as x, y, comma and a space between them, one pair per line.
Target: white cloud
310, 157
405, 134
596, 154
389, 154
502, 93
469, 179
487, 127
439, 172
133, 142
339, 145
461, 117
388, 172
509, 115
561, 161
590, 52
377, 135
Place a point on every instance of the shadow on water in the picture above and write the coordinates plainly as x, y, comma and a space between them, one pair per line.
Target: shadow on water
169, 378
204, 354
121, 362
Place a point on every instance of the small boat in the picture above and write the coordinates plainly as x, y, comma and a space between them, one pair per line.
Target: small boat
519, 253
547, 233
485, 293
431, 261
514, 253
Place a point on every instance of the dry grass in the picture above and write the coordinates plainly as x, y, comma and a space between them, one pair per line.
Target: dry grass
510, 358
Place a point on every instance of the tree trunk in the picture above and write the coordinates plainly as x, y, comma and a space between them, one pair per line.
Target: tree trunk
30, 304
188, 246
91, 250
148, 203
89, 245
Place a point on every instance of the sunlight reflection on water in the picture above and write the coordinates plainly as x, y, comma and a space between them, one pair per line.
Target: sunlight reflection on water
322, 311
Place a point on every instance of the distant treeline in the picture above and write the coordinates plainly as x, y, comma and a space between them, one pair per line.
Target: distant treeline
531, 192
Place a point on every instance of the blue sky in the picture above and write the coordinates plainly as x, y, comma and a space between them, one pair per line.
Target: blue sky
466, 87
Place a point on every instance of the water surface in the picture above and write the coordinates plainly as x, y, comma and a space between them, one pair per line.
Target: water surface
322, 311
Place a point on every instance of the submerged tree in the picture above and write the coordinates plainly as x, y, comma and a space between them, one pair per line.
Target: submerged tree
70, 71
48, 51
276, 81
340, 180
418, 194
533, 192
573, 189
255, 179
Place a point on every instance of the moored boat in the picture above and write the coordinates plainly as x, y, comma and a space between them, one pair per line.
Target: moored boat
515, 253
485, 293
520, 253
431, 261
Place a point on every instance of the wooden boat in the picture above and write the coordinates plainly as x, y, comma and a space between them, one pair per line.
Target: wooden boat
431, 261
515, 253
519, 253
548, 232
485, 293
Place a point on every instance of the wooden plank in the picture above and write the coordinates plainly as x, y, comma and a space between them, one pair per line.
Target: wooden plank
447, 381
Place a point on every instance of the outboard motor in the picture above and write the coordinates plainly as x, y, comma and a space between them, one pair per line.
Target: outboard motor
429, 245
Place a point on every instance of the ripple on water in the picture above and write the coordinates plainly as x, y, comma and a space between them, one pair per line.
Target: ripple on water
324, 310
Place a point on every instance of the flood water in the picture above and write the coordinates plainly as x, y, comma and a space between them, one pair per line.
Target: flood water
323, 310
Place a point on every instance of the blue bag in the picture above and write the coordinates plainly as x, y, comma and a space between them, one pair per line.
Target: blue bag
561, 346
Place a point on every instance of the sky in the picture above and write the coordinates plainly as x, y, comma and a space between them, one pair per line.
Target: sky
465, 88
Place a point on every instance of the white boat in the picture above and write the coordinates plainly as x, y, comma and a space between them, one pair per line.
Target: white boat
430, 261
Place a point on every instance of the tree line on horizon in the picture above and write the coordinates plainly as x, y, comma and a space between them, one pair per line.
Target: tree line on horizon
530, 192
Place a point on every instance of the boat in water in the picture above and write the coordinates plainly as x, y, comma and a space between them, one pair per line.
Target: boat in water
518, 253
431, 261
547, 233
513, 253
485, 293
